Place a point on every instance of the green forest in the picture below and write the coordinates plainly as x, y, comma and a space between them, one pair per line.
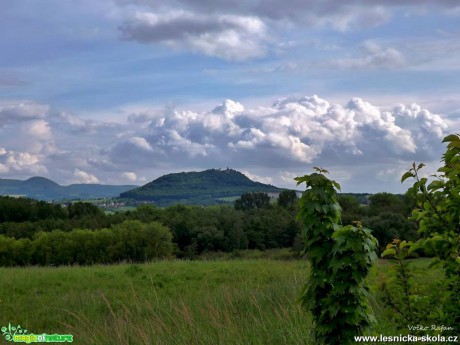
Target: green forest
41, 233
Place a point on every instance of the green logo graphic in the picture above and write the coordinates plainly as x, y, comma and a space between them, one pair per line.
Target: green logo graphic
19, 335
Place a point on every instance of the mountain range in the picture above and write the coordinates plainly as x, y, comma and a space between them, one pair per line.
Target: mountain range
209, 187
44, 189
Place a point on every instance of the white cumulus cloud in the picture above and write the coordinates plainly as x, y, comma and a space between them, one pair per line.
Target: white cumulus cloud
130, 176
141, 143
291, 132
39, 129
257, 178
21, 163
286, 136
81, 176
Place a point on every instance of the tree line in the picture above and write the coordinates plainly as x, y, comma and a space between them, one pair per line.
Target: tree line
131, 241
37, 232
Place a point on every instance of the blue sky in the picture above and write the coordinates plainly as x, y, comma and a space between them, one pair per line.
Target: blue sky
123, 91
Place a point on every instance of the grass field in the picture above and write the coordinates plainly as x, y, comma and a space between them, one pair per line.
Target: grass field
175, 302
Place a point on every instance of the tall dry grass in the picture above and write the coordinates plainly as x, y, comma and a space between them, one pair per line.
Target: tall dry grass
241, 314
178, 302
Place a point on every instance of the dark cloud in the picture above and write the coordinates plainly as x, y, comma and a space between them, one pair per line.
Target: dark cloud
226, 36
298, 11
20, 111
148, 27
241, 30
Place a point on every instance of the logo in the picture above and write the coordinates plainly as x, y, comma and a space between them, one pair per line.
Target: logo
19, 335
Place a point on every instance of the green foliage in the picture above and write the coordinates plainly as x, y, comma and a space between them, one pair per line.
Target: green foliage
253, 200
385, 202
24, 209
129, 241
438, 215
83, 209
139, 242
398, 293
195, 230
340, 259
22, 217
388, 226
222, 228
287, 198
351, 209
407, 300
386, 215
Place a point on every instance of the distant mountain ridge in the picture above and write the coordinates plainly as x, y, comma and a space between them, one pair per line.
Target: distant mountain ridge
199, 188
42, 188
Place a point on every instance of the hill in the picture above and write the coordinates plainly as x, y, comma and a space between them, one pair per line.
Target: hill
44, 189
200, 188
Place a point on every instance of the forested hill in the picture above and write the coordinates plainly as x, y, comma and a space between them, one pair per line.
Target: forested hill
199, 188
44, 189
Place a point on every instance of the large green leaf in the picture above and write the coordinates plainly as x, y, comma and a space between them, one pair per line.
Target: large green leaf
451, 137
406, 176
389, 252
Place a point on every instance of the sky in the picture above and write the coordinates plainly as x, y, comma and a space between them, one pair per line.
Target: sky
124, 91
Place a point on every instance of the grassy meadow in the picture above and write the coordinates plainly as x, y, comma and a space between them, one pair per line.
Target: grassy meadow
244, 301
